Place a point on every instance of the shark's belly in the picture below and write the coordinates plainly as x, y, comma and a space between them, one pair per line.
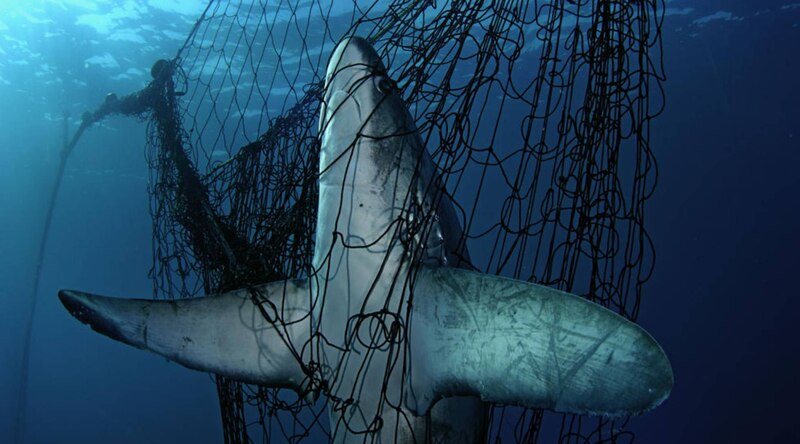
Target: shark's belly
363, 272
358, 260
356, 263
357, 224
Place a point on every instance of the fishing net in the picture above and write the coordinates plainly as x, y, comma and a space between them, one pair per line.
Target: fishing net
537, 116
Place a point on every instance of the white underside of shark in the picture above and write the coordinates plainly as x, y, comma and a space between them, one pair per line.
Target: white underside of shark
406, 343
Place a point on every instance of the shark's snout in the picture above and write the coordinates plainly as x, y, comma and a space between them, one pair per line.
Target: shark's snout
352, 54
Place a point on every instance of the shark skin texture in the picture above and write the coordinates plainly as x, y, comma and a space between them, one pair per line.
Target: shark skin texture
406, 341
381, 209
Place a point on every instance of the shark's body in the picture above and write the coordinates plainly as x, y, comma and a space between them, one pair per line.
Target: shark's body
388, 324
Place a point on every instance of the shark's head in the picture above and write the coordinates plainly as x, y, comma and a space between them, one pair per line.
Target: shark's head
362, 110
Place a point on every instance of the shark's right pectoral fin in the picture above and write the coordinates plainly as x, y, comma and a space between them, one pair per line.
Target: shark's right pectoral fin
513, 342
251, 335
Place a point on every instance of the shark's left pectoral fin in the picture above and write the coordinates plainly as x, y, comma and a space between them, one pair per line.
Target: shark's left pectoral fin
251, 335
513, 342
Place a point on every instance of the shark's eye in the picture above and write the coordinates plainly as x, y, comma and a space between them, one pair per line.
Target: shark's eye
384, 84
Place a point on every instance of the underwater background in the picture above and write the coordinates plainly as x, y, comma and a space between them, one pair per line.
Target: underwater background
723, 301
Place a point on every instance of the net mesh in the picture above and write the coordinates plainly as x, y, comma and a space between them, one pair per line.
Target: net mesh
536, 113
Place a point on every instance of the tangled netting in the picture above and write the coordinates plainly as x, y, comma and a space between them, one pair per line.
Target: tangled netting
536, 113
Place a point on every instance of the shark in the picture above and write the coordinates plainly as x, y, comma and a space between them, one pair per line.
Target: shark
393, 324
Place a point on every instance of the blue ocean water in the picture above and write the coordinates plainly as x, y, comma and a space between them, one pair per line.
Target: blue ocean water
723, 301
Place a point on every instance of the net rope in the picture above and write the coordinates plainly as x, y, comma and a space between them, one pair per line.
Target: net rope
537, 116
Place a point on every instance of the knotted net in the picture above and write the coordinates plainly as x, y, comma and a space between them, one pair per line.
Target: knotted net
536, 113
